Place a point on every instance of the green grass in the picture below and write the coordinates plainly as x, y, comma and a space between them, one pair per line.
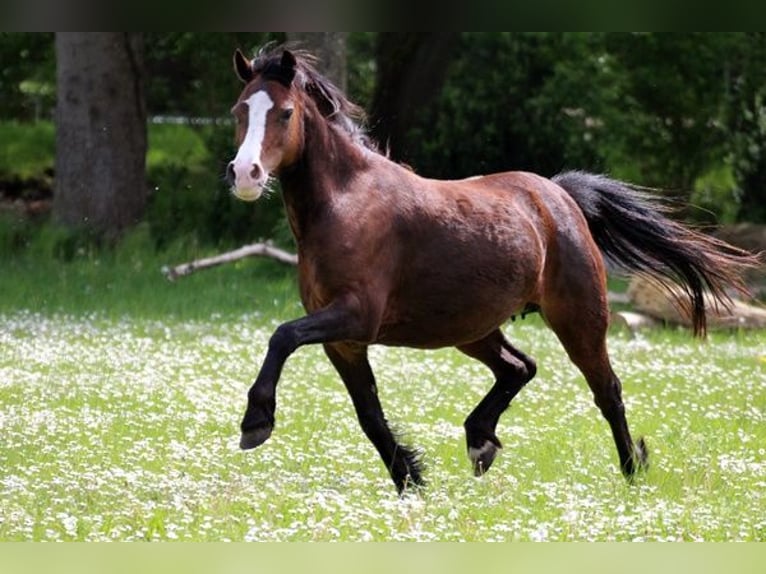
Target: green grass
121, 394
54, 273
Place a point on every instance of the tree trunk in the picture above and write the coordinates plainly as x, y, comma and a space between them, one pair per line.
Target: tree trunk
330, 48
412, 67
100, 182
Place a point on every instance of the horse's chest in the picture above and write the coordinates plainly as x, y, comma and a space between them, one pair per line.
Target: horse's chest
312, 293
320, 282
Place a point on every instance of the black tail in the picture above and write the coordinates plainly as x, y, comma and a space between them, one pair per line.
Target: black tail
633, 230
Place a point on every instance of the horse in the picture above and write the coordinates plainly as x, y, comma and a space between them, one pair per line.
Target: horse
388, 257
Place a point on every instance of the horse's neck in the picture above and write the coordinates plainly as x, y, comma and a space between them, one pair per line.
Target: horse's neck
326, 166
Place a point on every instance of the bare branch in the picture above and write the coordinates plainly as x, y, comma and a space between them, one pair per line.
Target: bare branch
253, 250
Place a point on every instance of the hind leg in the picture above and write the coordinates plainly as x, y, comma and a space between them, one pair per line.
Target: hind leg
512, 370
581, 327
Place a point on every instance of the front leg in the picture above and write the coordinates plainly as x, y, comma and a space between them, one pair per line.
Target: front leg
353, 367
340, 321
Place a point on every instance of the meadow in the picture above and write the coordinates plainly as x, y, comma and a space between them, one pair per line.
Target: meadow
121, 395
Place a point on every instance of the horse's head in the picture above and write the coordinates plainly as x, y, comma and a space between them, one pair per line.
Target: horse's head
282, 90
269, 131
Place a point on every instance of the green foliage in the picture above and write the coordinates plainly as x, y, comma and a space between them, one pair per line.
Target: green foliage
671, 98
512, 101
716, 193
361, 67
746, 122
188, 194
27, 75
176, 145
664, 110
683, 112
27, 150
191, 73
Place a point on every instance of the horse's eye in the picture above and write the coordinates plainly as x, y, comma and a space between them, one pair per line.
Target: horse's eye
286, 114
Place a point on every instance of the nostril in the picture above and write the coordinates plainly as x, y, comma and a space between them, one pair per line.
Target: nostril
256, 172
230, 175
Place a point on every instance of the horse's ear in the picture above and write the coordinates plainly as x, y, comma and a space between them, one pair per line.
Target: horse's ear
288, 60
288, 63
282, 71
242, 67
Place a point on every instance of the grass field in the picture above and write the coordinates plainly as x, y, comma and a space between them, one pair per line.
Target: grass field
121, 395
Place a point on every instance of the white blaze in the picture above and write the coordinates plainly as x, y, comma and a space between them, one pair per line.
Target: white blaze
246, 186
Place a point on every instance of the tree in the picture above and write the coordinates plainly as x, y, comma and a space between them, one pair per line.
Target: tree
411, 70
101, 132
514, 100
673, 94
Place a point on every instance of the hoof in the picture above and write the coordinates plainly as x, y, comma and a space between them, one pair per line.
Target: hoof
410, 485
254, 437
483, 457
638, 463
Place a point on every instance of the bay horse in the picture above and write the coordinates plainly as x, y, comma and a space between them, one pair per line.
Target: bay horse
389, 257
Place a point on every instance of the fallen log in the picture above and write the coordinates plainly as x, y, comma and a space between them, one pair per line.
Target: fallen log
651, 299
253, 250
631, 321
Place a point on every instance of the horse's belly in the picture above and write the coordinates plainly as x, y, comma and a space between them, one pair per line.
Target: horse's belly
434, 323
